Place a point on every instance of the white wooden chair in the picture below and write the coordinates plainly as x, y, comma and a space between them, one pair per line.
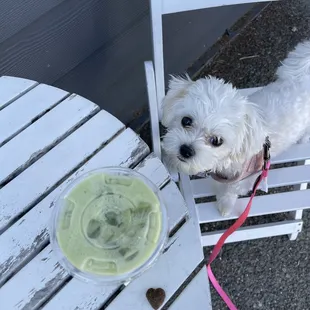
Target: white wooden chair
296, 176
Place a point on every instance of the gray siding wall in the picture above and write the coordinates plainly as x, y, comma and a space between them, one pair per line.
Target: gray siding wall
96, 48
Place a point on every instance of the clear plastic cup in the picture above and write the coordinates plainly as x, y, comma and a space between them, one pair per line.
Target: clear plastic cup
109, 225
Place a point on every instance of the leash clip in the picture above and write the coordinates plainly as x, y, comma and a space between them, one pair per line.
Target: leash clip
267, 146
162, 130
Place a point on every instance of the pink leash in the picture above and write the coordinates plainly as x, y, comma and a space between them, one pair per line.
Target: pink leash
235, 226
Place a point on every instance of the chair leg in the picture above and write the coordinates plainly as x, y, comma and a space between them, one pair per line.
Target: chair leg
297, 215
153, 106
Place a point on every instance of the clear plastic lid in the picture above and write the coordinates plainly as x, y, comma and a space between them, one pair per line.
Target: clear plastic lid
109, 225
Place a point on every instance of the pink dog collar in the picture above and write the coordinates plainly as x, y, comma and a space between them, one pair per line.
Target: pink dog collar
254, 165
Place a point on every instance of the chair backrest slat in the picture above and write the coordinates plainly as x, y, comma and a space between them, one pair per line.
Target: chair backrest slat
151, 90
158, 50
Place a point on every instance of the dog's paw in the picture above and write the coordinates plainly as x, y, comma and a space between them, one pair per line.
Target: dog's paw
223, 209
226, 204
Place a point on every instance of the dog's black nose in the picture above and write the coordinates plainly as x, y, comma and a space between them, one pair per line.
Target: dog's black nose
187, 151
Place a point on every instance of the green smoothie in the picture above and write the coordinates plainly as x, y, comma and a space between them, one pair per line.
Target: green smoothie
110, 224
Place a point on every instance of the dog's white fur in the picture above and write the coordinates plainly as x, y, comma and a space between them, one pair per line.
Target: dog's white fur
280, 110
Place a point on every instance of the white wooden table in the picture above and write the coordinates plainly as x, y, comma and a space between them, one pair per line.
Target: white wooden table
47, 138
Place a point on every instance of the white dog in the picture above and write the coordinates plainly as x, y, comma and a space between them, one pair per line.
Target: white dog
211, 127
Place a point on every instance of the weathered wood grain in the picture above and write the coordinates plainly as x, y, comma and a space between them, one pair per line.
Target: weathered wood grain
34, 283
35, 140
27, 109
12, 88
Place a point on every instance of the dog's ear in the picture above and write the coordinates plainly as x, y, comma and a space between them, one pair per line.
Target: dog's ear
177, 89
253, 132
178, 83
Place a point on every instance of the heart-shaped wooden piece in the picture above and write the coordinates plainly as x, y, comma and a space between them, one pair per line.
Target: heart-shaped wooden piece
156, 297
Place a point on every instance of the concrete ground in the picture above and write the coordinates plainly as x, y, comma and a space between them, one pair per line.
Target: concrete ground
271, 273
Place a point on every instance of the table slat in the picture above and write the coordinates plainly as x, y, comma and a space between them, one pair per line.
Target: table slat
44, 134
64, 157
79, 295
27, 236
34, 283
84, 296
156, 171
196, 295
23, 111
12, 88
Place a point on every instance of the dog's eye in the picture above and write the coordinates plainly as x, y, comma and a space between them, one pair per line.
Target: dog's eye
215, 141
186, 122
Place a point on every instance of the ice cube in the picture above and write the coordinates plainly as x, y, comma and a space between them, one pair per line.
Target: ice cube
112, 218
123, 251
93, 229
131, 255
106, 235
66, 221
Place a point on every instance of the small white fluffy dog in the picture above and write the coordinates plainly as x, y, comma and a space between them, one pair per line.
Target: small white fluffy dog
212, 127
